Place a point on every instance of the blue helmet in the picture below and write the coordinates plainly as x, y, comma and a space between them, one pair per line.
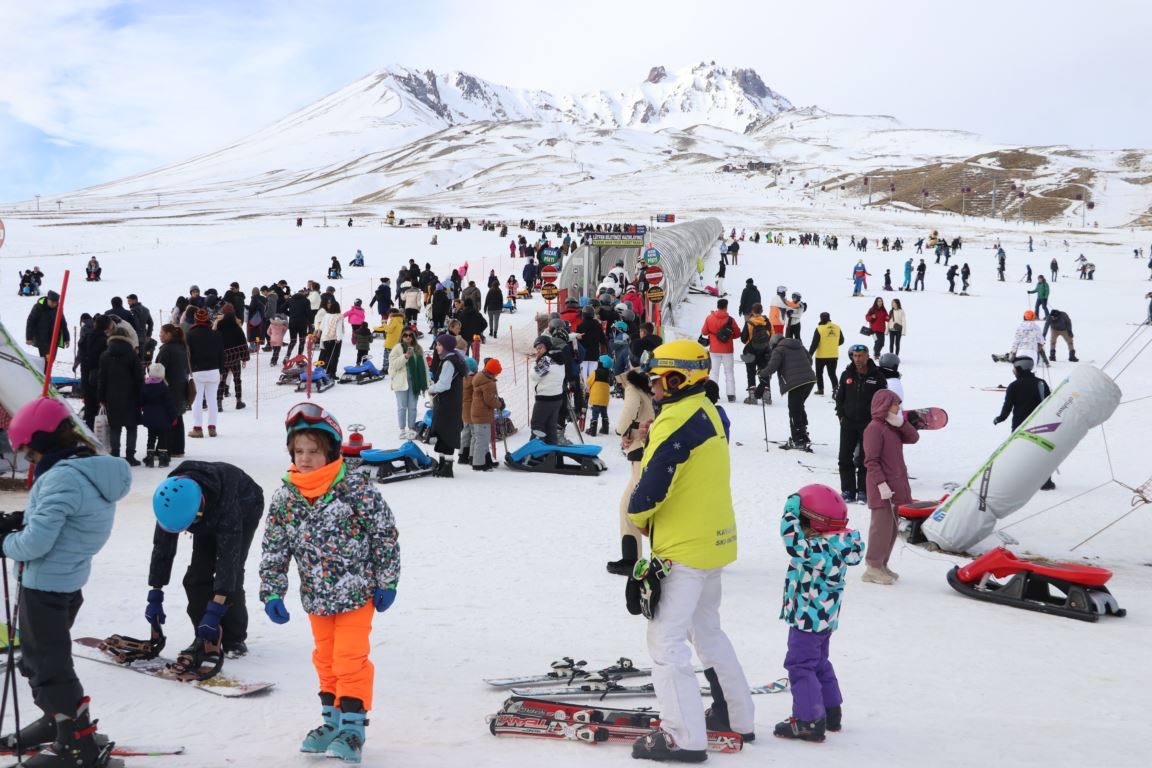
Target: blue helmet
606, 361
176, 503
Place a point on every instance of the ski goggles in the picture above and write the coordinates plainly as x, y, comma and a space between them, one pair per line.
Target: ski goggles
312, 415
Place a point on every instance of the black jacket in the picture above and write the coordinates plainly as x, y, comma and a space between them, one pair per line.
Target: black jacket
299, 313
205, 348
91, 348
233, 506
494, 299
440, 306
237, 300
125, 315
447, 407
472, 323
1023, 396
174, 358
791, 364
382, 299
592, 337
1058, 320
144, 322
118, 383
855, 391
749, 296
38, 329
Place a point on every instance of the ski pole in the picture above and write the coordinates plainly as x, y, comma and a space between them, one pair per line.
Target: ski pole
764, 414
11, 617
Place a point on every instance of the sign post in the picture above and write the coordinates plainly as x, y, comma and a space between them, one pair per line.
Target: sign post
651, 256
549, 292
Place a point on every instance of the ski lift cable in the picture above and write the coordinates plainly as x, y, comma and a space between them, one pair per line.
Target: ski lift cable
1057, 504
1135, 506
1131, 337
1134, 359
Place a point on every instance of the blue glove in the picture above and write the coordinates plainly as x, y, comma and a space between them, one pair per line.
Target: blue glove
209, 627
154, 613
276, 611
382, 599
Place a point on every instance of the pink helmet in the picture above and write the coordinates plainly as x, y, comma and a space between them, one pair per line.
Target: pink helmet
43, 414
823, 508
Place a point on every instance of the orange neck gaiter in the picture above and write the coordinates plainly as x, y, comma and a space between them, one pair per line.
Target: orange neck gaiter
312, 485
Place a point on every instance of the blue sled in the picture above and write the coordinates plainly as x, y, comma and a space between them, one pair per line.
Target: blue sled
365, 373
539, 456
403, 463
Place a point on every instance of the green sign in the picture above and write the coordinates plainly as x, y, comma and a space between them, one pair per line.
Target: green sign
651, 257
549, 256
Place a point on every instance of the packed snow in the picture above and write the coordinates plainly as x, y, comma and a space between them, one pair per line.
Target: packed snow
503, 572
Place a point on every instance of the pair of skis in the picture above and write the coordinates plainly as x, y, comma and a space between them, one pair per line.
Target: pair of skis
537, 718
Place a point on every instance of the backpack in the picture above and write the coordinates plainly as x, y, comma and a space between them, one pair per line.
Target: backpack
760, 336
725, 334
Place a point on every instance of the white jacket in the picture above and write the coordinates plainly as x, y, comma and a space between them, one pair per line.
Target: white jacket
330, 327
413, 298
547, 377
896, 316
1028, 338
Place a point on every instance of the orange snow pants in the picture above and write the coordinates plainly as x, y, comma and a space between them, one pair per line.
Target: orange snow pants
341, 654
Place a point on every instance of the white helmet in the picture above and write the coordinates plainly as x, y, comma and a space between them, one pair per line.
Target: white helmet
781, 289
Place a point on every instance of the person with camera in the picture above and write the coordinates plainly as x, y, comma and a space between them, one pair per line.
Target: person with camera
68, 520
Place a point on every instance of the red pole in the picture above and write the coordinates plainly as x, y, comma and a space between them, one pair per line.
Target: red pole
308, 381
258, 378
512, 337
55, 335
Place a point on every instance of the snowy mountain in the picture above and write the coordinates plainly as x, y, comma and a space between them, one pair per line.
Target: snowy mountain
453, 141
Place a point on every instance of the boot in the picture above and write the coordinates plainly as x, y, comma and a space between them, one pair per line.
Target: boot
220, 405
465, 457
1052, 356
211, 431
659, 745
150, 459
40, 731
443, 469
196, 432
318, 739
163, 459
132, 461
1072, 357
716, 716
591, 431
349, 739
604, 426
1048, 485
804, 730
876, 576
629, 550
832, 718
75, 745
240, 405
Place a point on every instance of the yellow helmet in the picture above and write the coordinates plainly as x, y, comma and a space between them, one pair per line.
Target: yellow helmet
682, 356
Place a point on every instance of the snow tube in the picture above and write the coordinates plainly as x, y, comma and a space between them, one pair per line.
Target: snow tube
1015, 472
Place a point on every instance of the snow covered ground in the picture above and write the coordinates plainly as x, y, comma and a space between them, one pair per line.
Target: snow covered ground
503, 572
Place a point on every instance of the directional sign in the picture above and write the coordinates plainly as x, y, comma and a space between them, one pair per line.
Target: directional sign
549, 256
665, 218
655, 295
549, 292
609, 240
549, 274
651, 257
1, 233
654, 275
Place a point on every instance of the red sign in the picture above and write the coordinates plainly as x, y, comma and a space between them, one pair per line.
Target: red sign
654, 275
549, 274
1, 233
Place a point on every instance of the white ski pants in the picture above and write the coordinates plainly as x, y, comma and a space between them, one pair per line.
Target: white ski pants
689, 611
724, 360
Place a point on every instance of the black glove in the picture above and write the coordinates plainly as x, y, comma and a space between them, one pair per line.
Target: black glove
998, 419
11, 522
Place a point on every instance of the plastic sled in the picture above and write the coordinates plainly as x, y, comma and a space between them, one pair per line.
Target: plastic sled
504, 425
915, 513
1063, 589
403, 463
351, 448
334, 275
539, 456
321, 381
423, 425
510, 306
365, 373
67, 386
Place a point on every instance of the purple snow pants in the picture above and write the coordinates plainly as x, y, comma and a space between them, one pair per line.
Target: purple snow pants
810, 674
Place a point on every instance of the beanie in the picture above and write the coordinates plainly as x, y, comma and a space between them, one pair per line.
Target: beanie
201, 315
471, 364
156, 371
493, 367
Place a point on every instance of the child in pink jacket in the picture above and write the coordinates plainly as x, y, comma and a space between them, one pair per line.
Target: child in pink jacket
888, 488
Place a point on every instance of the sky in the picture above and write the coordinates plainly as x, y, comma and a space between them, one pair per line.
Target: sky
95, 90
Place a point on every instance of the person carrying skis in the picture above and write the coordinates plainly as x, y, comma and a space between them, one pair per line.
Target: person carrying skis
343, 537
684, 502
795, 377
1061, 327
637, 410
853, 397
221, 506
820, 548
67, 521
1022, 397
1041, 290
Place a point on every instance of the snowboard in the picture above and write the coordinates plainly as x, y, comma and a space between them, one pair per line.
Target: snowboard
927, 418
221, 684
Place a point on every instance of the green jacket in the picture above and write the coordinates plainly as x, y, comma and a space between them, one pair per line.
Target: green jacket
1041, 290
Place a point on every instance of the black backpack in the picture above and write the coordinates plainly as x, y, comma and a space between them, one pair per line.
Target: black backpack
725, 334
760, 336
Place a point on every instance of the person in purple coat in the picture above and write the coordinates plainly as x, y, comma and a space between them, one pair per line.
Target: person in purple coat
884, 441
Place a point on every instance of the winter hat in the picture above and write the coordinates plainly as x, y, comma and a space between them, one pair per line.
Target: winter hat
605, 361
471, 364
493, 367
195, 288
52, 296
228, 309
544, 341
748, 281
201, 315
439, 286
156, 371
448, 341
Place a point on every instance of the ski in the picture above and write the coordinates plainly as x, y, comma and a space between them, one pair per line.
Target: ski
127, 750
568, 670
508, 724
603, 688
785, 442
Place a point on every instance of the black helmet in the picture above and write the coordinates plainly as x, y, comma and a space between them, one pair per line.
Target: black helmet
571, 302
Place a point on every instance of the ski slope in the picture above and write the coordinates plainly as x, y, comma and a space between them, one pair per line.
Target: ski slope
504, 572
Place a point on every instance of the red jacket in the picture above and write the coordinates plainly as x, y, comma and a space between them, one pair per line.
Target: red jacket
715, 321
632, 299
877, 320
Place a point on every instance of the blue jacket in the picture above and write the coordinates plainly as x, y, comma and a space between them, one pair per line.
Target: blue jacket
816, 568
68, 520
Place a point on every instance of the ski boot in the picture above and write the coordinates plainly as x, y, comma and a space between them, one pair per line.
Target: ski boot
235, 649
832, 719
716, 716
1052, 356
443, 469
318, 739
659, 745
604, 426
150, 459
630, 552
75, 745
803, 730
40, 731
751, 398
349, 740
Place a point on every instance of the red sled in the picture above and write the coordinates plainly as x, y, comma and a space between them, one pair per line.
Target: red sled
915, 513
1063, 589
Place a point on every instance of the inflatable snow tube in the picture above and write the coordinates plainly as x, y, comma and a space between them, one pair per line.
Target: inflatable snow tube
1015, 472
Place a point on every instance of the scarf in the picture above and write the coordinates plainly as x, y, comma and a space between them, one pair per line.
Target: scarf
49, 460
312, 485
417, 371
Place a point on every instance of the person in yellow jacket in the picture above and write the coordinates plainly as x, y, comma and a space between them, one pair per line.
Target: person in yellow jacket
599, 384
684, 504
392, 328
825, 348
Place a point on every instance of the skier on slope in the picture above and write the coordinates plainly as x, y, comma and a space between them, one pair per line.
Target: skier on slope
1022, 397
343, 537
684, 502
796, 379
67, 522
221, 506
